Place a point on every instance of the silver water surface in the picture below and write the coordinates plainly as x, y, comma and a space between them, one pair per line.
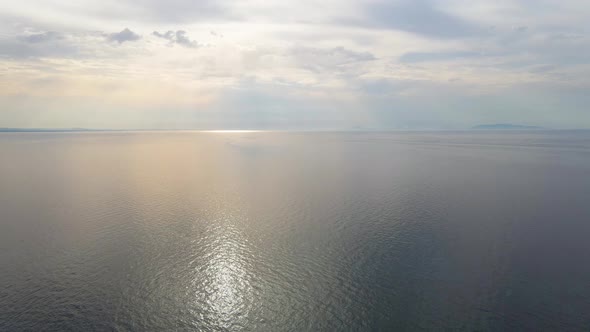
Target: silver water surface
266, 231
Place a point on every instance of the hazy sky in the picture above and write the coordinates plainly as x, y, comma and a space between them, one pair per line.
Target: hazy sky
304, 64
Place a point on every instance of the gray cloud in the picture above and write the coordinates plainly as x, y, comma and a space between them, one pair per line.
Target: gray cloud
124, 36
318, 59
11, 49
47, 44
25, 46
542, 68
544, 51
382, 87
179, 37
549, 46
63, 45
41, 37
420, 17
415, 57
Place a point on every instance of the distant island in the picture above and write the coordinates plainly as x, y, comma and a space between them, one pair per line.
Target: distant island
505, 126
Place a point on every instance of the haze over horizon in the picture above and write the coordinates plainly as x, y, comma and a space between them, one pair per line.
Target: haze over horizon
404, 64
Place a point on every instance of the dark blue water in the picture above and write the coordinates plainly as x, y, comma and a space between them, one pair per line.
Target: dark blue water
466, 231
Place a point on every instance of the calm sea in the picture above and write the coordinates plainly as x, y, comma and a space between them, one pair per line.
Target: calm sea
266, 231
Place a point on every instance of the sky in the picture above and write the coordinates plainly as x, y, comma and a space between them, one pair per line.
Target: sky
263, 64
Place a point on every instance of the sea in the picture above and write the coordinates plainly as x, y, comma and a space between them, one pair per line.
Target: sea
295, 231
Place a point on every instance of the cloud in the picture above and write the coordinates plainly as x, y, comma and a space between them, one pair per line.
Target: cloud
31, 45
253, 104
124, 36
179, 37
36, 45
57, 46
414, 57
184, 11
41, 37
420, 17
542, 68
216, 34
320, 59
382, 87
416, 63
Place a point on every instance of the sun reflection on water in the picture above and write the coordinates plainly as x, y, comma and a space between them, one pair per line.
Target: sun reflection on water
229, 291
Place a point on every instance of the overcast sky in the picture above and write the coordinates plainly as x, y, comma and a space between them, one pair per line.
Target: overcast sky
261, 64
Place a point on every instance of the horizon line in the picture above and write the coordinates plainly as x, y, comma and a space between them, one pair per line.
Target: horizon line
16, 130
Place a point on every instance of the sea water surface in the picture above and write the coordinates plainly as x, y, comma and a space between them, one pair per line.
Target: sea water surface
269, 231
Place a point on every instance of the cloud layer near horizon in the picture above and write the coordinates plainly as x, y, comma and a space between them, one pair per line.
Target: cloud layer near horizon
285, 65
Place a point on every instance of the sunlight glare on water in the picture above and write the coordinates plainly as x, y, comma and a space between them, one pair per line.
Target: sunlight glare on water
227, 270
